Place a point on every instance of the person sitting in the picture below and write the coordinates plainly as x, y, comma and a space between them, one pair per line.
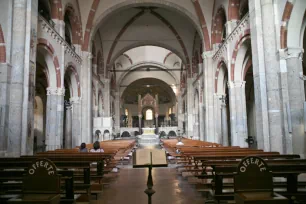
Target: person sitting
96, 147
83, 148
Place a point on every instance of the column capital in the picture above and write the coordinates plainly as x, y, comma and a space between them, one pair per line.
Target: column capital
207, 54
90, 55
75, 100
105, 81
55, 91
140, 116
295, 52
235, 84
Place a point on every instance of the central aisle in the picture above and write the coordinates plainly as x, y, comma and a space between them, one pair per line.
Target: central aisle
129, 186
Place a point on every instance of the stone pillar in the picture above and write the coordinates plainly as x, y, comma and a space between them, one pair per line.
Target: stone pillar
266, 78
106, 97
224, 124
208, 96
76, 121
54, 118
5, 76
287, 122
68, 126
86, 80
156, 122
14, 120
117, 112
238, 113
139, 118
296, 100
180, 114
190, 119
217, 117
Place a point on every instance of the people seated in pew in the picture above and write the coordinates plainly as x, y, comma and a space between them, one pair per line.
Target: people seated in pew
96, 147
83, 148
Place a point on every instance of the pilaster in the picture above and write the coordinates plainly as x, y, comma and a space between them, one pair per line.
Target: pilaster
208, 96
54, 118
296, 101
238, 113
14, 120
76, 121
86, 80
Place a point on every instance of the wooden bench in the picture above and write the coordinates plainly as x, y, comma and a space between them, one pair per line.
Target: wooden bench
289, 169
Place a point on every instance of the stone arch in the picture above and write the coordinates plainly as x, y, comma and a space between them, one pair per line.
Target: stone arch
142, 64
219, 29
235, 72
128, 57
172, 133
43, 43
166, 57
221, 76
285, 19
76, 28
293, 24
56, 9
163, 20
2, 47
233, 9
148, 43
92, 27
75, 79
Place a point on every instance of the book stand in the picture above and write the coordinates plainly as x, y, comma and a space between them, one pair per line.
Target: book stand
148, 162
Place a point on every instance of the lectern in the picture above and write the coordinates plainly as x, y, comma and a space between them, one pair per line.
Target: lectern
149, 158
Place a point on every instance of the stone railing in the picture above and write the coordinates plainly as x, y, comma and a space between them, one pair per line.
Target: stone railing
48, 28
239, 30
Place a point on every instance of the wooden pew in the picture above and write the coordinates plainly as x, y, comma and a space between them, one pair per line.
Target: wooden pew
35, 190
287, 168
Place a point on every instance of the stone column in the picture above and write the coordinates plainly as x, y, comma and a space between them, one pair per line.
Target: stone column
224, 124
54, 118
238, 113
296, 100
106, 97
68, 126
287, 127
14, 120
86, 80
217, 117
76, 121
190, 119
156, 122
208, 96
266, 78
139, 118
117, 112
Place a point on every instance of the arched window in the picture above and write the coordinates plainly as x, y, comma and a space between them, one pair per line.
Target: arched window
44, 9
244, 8
149, 114
170, 111
68, 29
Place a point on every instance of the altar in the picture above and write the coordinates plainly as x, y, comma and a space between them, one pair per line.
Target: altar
148, 131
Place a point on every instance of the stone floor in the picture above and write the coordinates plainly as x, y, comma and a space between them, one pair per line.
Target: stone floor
129, 186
